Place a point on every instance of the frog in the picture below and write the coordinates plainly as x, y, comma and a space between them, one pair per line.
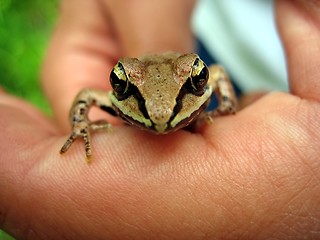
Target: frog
160, 93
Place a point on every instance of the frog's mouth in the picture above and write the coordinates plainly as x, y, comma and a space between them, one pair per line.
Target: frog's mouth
165, 128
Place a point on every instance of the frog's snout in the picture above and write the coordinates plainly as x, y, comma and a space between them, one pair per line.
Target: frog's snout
159, 112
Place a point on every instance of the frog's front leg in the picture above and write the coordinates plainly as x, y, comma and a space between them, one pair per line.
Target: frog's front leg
222, 87
81, 125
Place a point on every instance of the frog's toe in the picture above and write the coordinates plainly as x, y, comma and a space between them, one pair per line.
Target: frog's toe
79, 131
68, 143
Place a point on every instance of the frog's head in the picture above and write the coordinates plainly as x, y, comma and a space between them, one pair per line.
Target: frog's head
161, 93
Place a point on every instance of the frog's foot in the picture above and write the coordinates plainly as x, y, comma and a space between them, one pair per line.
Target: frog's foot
227, 106
80, 129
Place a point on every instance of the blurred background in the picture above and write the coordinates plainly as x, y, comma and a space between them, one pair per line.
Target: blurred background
25, 28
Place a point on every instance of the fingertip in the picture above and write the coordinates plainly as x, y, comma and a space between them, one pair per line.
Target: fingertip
298, 24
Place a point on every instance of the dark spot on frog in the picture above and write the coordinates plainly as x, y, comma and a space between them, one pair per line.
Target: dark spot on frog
225, 99
83, 131
82, 102
82, 111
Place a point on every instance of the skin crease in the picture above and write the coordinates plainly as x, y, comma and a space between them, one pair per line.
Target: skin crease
255, 175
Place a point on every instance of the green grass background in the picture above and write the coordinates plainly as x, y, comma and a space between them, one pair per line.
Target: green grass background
25, 29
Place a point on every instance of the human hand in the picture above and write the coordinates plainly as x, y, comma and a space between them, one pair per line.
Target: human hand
85, 47
252, 175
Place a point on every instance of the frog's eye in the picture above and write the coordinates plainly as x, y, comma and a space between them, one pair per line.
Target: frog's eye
119, 81
199, 78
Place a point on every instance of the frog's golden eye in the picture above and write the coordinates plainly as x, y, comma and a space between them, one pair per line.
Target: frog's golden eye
197, 82
119, 81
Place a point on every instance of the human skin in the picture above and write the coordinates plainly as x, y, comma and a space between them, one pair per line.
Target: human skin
255, 175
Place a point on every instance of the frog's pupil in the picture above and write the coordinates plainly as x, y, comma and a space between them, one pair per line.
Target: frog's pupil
198, 83
118, 85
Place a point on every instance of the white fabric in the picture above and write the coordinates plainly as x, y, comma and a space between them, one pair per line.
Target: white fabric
242, 36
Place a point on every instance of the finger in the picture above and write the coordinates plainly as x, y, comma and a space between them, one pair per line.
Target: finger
154, 26
298, 23
80, 55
